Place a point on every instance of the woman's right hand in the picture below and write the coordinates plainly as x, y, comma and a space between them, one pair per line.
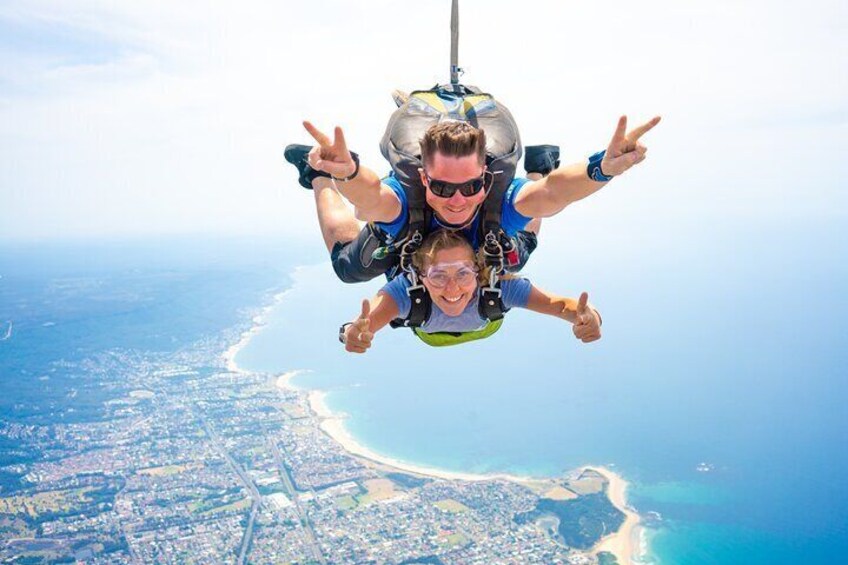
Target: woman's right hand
358, 336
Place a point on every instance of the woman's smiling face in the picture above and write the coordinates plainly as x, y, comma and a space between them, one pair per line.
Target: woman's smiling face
451, 279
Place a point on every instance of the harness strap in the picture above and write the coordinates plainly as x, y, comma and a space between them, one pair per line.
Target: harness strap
419, 310
491, 306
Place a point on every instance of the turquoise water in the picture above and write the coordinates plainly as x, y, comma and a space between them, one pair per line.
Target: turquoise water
728, 350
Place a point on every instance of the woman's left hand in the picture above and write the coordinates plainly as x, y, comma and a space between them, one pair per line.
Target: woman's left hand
587, 324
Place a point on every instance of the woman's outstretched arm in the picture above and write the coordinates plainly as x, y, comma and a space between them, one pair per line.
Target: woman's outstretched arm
585, 318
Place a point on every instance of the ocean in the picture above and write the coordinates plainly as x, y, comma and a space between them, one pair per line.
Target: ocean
718, 389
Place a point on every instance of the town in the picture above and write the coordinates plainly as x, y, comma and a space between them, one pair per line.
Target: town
194, 463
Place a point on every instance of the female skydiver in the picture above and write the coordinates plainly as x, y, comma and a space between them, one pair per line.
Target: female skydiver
449, 271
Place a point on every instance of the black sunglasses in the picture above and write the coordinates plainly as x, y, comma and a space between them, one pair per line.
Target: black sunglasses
445, 189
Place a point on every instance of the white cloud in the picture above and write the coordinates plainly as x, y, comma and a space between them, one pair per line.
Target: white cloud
170, 117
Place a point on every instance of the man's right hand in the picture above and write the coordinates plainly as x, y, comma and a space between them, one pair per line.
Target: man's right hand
357, 335
332, 157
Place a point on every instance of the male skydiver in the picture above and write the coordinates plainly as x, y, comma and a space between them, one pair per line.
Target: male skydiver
454, 175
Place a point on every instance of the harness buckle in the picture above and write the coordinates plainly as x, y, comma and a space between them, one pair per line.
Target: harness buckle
409, 247
414, 288
491, 290
494, 253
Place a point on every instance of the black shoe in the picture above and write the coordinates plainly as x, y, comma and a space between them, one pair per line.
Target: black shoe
541, 159
297, 156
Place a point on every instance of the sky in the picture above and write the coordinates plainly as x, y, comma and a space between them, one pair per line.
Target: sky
126, 119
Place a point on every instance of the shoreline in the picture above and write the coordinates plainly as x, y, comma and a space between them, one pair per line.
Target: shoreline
257, 324
626, 543
283, 381
333, 425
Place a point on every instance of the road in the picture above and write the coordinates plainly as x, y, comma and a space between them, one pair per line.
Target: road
301, 513
248, 482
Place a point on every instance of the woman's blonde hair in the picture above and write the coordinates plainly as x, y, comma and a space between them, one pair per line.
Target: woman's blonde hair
443, 239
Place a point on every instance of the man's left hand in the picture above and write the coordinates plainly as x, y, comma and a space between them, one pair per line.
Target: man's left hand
624, 150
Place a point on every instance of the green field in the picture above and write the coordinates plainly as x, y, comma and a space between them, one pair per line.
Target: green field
163, 471
52, 501
232, 507
346, 503
449, 505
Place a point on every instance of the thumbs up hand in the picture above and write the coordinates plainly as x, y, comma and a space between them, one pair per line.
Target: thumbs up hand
357, 336
587, 322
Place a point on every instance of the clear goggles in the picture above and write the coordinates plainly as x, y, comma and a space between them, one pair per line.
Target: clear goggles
440, 274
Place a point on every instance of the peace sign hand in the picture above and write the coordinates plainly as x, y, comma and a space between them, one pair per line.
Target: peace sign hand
587, 323
624, 150
357, 335
328, 156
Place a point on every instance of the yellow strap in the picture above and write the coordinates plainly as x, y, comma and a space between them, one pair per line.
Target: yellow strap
432, 99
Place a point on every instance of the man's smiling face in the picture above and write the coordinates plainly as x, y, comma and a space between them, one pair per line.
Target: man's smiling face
458, 209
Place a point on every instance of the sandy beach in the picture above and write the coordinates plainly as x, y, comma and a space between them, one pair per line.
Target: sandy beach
625, 544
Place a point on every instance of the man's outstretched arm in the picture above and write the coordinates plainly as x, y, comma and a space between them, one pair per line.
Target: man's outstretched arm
548, 196
374, 202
